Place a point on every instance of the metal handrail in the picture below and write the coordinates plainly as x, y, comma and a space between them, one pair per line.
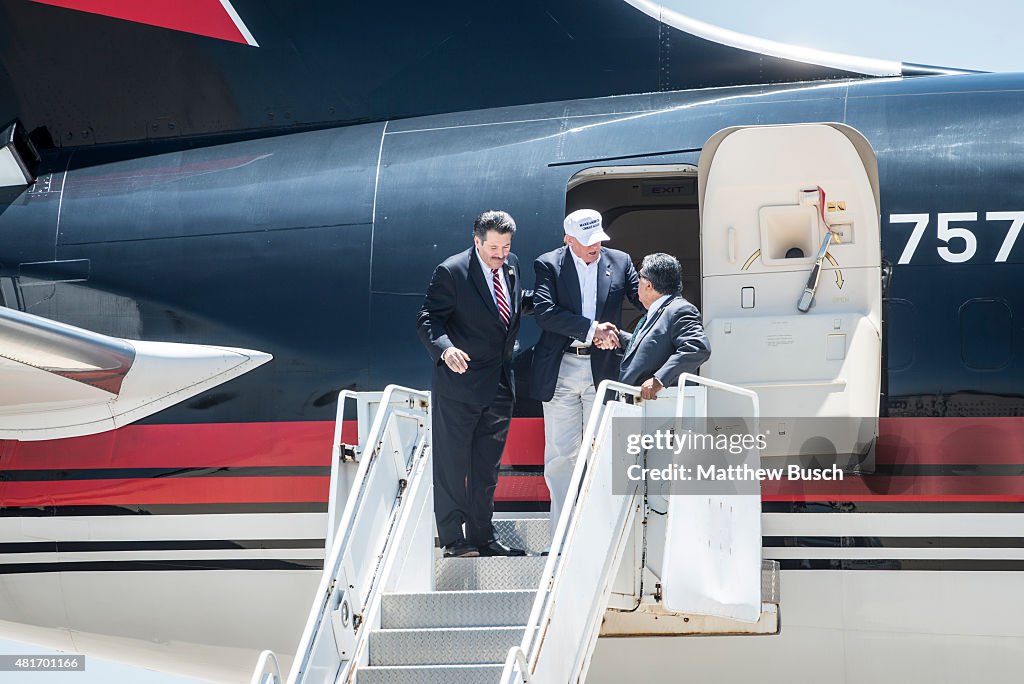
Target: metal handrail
517, 657
374, 443
544, 609
348, 517
261, 668
344, 396
753, 398
717, 384
419, 470
542, 606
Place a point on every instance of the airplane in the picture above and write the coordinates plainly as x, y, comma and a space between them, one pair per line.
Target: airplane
246, 181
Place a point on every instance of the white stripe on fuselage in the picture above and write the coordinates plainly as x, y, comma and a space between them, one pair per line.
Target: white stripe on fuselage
170, 556
892, 524
164, 527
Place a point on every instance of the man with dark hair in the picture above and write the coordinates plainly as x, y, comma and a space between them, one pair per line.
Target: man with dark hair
669, 340
468, 323
578, 299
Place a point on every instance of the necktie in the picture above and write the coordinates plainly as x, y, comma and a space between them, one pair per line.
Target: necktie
636, 333
499, 297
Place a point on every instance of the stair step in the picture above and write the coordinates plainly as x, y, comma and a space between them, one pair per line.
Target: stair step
495, 573
444, 646
430, 674
456, 609
532, 534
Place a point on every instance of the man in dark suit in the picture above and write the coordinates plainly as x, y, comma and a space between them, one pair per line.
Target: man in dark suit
669, 340
577, 303
468, 323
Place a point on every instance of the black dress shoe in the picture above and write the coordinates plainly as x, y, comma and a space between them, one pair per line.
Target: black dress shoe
462, 549
496, 548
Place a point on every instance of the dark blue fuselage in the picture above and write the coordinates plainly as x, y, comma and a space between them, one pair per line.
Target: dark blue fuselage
317, 247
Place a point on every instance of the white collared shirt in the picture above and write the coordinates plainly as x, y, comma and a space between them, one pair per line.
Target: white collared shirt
655, 306
658, 303
489, 279
587, 275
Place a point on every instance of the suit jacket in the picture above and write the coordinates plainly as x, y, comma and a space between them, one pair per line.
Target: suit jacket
459, 311
672, 344
557, 306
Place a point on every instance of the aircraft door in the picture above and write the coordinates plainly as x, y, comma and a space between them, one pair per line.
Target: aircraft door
771, 197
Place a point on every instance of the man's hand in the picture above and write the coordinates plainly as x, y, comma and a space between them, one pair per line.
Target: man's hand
650, 389
456, 359
606, 336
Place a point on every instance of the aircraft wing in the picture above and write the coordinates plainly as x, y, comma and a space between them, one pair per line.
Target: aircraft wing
168, 69
60, 381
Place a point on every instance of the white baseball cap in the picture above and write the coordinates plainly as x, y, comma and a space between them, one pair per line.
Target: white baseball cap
585, 226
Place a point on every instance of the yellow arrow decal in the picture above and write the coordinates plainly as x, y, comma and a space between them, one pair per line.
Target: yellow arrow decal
839, 271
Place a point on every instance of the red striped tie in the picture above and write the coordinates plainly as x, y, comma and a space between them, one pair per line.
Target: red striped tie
499, 298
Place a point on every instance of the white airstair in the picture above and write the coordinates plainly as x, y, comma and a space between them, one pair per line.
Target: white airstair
390, 609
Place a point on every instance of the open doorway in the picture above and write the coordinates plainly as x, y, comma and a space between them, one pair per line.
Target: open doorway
645, 209
777, 230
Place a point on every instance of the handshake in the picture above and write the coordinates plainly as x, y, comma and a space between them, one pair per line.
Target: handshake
606, 336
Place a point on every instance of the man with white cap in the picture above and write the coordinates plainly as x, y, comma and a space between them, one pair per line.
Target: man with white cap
578, 304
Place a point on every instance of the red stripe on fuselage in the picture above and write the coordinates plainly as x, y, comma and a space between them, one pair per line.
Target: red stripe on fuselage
221, 445
166, 490
202, 17
855, 488
977, 441
216, 445
904, 441
906, 488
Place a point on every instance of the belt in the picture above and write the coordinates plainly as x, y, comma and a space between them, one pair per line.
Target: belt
578, 351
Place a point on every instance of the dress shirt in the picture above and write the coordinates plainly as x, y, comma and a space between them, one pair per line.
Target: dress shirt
587, 275
489, 279
654, 308
650, 317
